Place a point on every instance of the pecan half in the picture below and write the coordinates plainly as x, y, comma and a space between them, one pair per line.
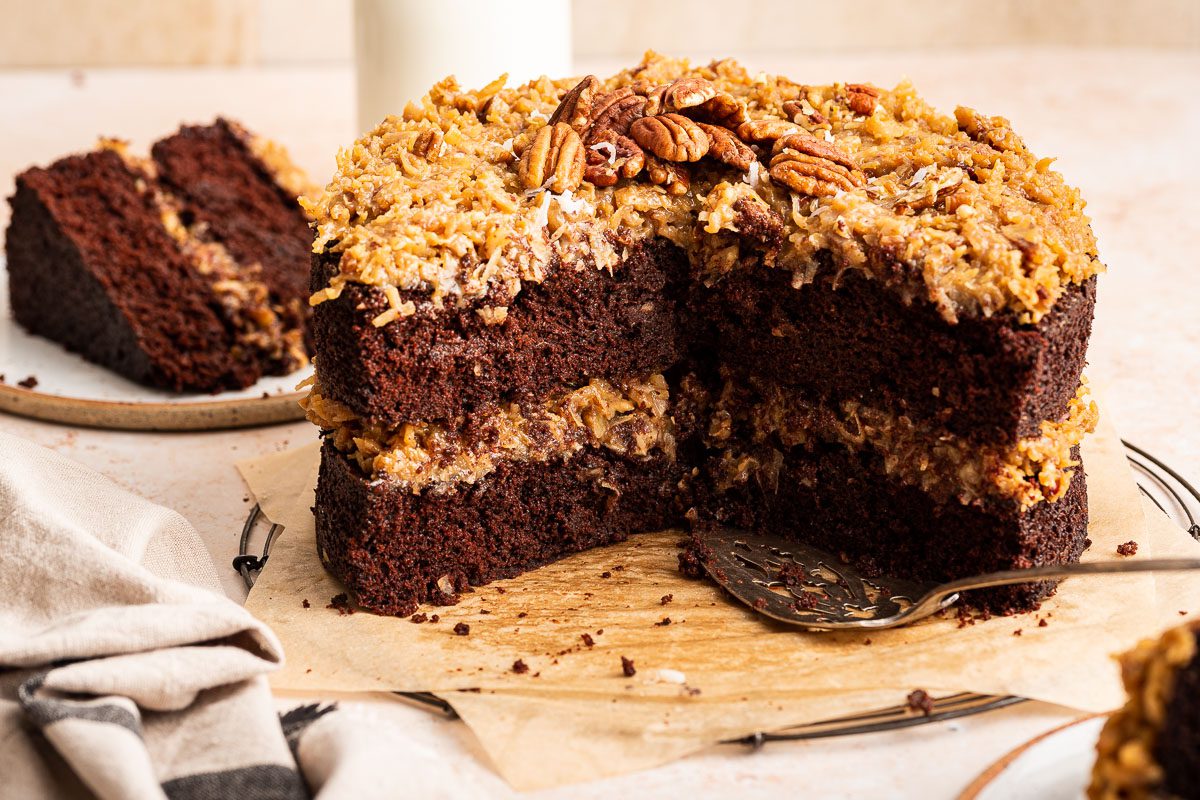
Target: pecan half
766, 130
813, 176
672, 137
861, 98
611, 156
725, 147
722, 109
616, 111
576, 106
553, 159
665, 173
818, 148
682, 93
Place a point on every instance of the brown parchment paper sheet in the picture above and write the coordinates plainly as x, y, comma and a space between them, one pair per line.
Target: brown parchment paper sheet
740, 674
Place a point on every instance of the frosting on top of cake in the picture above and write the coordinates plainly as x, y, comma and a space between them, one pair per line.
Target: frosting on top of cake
470, 193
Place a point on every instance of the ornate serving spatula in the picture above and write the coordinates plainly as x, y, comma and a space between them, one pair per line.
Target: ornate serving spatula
807, 587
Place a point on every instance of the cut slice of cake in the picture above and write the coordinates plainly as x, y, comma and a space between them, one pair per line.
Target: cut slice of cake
187, 271
864, 324
1150, 748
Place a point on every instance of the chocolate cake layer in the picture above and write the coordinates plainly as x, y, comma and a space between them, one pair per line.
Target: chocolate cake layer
848, 336
394, 550
91, 266
220, 183
840, 501
1178, 743
441, 365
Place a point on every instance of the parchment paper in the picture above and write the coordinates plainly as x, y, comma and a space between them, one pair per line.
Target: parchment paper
574, 715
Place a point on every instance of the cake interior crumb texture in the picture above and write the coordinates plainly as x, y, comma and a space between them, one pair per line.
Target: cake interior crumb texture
550, 316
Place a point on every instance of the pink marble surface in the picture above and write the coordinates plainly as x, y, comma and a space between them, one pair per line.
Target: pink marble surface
1123, 124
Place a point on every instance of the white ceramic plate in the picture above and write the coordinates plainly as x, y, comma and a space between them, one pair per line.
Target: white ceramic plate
70, 389
1054, 766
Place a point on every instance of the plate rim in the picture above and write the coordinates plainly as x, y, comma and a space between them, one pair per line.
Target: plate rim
996, 768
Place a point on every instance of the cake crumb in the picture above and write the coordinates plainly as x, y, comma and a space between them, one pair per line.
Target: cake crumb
606, 574
29, 383
666, 598
501, 590
1127, 549
522, 615
627, 667
919, 700
520, 667
305, 603
588, 640
435, 618
665, 622
1017, 632
418, 618
1183, 613
341, 602
461, 629
1042, 623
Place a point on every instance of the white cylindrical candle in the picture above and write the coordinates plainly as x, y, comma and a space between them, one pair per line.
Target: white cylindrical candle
402, 47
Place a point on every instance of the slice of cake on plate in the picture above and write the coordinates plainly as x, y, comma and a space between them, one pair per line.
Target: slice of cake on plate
185, 271
1150, 748
553, 315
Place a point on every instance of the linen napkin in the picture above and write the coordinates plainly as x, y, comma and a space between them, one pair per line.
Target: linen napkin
119, 657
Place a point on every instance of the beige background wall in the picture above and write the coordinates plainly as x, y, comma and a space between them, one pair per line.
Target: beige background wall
56, 33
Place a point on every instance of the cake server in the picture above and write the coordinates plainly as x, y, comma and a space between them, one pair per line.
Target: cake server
810, 588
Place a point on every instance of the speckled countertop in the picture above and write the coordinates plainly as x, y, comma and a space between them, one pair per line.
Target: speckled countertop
1123, 124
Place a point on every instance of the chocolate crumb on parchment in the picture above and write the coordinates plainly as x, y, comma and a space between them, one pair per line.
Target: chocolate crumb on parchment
341, 602
627, 667
29, 383
606, 574
666, 598
520, 667
305, 603
461, 629
1017, 632
435, 618
919, 700
1042, 623
418, 618
665, 622
1127, 549
588, 640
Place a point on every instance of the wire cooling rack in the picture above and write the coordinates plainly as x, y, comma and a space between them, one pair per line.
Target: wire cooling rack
1170, 492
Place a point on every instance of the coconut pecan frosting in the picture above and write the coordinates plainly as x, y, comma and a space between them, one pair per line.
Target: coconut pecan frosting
472, 191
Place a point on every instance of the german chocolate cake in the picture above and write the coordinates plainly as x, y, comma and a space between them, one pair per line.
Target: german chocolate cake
550, 316
187, 270
1150, 748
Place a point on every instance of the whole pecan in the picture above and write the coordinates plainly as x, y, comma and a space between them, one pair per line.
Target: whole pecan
672, 137
725, 147
611, 156
553, 159
766, 130
811, 175
616, 111
861, 98
576, 106
665, 173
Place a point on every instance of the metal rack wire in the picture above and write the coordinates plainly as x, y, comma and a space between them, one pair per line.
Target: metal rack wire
1168, 490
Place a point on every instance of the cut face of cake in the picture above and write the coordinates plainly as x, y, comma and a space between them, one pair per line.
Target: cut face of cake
1150, 748
186, 271
550, 316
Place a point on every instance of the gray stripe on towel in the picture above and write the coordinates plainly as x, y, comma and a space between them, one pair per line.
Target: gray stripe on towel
261, 782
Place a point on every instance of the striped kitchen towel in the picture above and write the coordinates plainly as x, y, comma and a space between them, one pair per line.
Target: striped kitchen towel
124, 672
